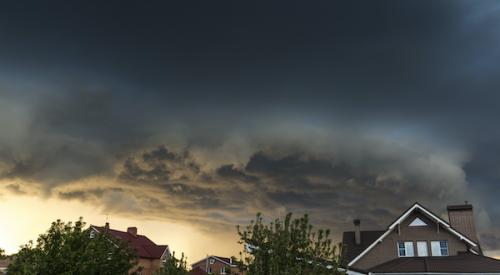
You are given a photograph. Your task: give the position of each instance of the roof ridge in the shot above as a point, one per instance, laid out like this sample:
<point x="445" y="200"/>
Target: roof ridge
<point x="111" y="229"/>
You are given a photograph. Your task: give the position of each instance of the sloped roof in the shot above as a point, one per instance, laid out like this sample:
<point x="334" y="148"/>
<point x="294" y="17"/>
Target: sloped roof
<point x="224" y="260"/>
<point x="463" y="263"/>
<point x="423" y="210"/>
<point x="144" y="247"/>
<point x="351" y="249"/>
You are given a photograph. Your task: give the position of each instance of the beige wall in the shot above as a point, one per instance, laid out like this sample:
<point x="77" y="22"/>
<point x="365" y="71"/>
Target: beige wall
<point x="149" y="266"/>
<point x="388" y="249"/>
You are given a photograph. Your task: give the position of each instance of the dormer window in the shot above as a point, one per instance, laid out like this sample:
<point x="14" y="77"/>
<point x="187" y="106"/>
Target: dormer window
<point x="92" y="234"/>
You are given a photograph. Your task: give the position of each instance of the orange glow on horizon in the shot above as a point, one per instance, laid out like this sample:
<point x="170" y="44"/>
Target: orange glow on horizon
<point x="25" y="217"/>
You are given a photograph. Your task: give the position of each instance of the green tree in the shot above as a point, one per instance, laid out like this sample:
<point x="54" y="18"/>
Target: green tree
<point x="174" y="266"/>
<point x="288" y="247"/>
<point x="2" y="254"/>
<point x="69" y="249"/>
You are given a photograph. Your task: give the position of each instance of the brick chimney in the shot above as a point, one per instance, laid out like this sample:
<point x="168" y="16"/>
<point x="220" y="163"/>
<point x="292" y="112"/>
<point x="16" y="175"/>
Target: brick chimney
<point x="357" y="231"/>
<point x="462" y="219"/>
<point x="132" y="231"/>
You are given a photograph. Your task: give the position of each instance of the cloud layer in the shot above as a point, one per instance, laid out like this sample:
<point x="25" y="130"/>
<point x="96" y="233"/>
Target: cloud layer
<point x="206" y="114"/>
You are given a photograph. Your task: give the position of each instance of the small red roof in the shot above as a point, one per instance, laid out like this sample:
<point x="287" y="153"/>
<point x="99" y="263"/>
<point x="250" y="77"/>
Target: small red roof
<point x="144" y="247"/>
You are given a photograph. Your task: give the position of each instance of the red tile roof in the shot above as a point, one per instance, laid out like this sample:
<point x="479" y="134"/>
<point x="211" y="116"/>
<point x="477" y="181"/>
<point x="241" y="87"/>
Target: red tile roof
<point x="144" y="247"/>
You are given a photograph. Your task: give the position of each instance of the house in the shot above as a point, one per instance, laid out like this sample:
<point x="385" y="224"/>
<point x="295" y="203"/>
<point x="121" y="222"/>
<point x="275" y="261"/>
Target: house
<point x="217" y="265"/>
<point x="151" y="256"/>
<point x="4" y="264"/>
<point x="419" y="242"/>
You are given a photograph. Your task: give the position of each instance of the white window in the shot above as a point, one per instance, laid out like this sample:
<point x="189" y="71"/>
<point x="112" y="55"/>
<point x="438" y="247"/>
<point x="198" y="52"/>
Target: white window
<point x="222" y="270"/>
<point x="209" y="269"/>
<point x="212" y="261"/>
<point x="417" y="222"/>
<point x="405" y="249"/>
<point x="439" y="248"/>
<point x="92" y="234"/>
<point x="422" y="249"/>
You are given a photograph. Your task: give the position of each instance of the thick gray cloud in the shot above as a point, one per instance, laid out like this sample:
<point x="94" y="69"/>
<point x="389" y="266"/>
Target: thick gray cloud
<point x="323" y="107"/>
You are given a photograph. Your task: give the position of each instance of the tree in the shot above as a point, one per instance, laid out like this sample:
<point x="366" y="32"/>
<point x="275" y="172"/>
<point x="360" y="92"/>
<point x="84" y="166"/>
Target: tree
<point x="2" y="254"/>
<point x="174" y="266"/>
<point x="288" y="247"/>
<point x="69" y="249"/>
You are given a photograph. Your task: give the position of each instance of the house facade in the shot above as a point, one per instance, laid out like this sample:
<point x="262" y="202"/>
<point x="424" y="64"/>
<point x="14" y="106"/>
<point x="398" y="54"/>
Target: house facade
<point x="151" y="256"/>
<point x="217" y="265"/>
<point x="419" y="242"/>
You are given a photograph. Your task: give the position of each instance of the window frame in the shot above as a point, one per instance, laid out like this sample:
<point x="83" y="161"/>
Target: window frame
<point x="447" y="247"/>
<point x="442" y="248"/>
<point x="406" y="249"/>
<point x="426" y="248"/>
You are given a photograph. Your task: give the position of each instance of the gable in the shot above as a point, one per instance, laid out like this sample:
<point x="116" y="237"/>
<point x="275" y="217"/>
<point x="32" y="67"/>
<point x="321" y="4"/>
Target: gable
<point x="215" y="259"/>
<point x="426" y="214"/>
<point x="386" y="250"/>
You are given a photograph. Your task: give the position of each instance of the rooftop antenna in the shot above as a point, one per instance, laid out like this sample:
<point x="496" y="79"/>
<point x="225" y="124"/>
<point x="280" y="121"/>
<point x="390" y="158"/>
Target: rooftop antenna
<point x="107" y="222"/>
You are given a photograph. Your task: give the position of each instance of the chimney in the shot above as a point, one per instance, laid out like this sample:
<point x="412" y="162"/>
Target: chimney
<point x="357" y="232"/>
<point x="106" y="225"/>
<point x="132" y="231"/>
<point x="462" y="219"/>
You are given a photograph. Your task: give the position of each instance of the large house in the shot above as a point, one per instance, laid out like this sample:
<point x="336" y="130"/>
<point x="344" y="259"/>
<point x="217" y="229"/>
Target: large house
<point x="216" y="265"/>
<point x="151" y="256"/>
<point x="419" y="242"/>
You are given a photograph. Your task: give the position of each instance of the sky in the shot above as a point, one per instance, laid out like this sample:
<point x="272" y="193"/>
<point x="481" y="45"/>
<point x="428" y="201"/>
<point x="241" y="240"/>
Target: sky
<point x="186" y="118"/>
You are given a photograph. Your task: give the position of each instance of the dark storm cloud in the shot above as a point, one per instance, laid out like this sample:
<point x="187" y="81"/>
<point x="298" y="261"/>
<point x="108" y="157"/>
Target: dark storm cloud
<point x="159" y="166"/>
<point x="323" y="107"/>
<point x="228" y="171"/>
<point x="334" y="189"/>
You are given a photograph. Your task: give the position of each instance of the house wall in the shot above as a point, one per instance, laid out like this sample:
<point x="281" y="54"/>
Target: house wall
<point x="149" y="266"/>
<point x="388" y="249"/>
<point x="216" y="266"/>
